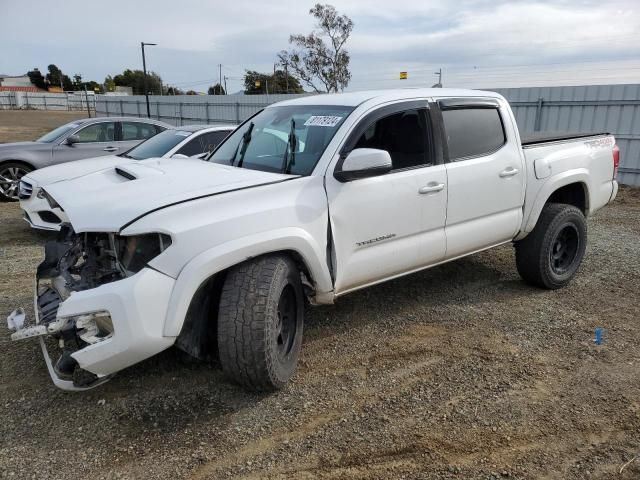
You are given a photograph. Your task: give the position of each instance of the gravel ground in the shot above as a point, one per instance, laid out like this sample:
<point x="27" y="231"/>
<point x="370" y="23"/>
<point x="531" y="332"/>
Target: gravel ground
<point x="461" y="371"/>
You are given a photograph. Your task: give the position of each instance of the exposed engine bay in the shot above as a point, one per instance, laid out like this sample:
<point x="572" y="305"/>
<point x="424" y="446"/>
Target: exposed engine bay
<point x="77" y="262"/>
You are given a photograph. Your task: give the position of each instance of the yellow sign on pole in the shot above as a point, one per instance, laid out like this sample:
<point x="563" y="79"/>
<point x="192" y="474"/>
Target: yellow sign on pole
<point x="404" y="75"/>
<point x="257" y="83"/>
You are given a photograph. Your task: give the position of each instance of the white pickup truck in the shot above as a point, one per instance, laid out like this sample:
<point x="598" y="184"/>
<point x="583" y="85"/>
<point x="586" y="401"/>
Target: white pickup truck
<point x="310" y="199"/>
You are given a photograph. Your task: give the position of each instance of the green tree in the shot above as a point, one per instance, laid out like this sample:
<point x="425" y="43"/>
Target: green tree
<point x="77" y="82"/>
<point x="322" y="65"/>
<point x="278" y="82"/>
<point x="216" y="89"/>
<point x="191" y="92"/>
<point x="135" y="80"/>
<point x="109" y="84"/>
<point x="56" y="78"/>
<point x="37" y="79"/>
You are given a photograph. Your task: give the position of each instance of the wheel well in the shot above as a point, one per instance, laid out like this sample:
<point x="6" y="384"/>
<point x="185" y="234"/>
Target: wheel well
<point x="199" y="334"/>
<point x="572" y="194"/>
<point x="21" y="162"/>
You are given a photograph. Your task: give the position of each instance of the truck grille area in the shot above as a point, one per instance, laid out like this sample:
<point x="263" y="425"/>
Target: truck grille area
<point x="48" y="302"/>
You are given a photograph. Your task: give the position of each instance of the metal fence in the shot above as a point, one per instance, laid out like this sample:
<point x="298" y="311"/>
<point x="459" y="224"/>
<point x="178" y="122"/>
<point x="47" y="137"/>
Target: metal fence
<point x="46" y="101"/>
<point x="189" y="109"/>
<point x="585" y="109"/>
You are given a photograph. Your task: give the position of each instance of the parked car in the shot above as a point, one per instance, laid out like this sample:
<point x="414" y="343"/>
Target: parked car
<point x="85" y="138"/>
<point x="188" y="141"/>
<point x="218" y="257"/>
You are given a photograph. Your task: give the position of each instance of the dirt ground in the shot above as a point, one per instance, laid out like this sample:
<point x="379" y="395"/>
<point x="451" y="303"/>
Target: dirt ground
<point x="461" y="371"/>
<point x="24" y="125"/>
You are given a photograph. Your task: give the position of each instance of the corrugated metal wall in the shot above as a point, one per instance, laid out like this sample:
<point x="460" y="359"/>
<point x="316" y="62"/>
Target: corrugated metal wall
<point x="189" y="109"/>
<point x="583" y="109"/>
<point x="589" y="109"/>
<point x="46" y="101"/>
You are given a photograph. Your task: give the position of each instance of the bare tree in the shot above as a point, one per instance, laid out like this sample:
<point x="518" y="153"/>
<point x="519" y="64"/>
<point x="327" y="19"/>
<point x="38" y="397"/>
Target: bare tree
<point x="323" y="66"/>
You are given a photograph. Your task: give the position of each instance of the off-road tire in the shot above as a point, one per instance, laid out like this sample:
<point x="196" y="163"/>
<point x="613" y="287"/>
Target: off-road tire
<point x="250" y="348"/>
<point x="538" y="254"/>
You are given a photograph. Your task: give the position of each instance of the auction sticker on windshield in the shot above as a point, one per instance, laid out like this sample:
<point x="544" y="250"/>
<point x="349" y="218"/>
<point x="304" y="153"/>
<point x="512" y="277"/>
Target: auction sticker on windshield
<point x="322" y="121"/>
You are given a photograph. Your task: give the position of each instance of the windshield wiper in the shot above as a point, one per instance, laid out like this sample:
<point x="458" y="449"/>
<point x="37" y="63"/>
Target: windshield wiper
<point x="289" y="158"/>
<point x="246" y="138"/>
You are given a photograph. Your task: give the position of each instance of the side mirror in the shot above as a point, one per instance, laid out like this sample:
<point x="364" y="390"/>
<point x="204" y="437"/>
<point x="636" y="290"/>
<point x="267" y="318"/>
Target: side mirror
<point x="178" y="155"/>
<point x="71" y="139"/>
<point x="363" y="163"/>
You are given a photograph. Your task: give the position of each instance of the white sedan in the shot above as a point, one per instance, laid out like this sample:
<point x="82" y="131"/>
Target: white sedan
<point x="41" y="212"/>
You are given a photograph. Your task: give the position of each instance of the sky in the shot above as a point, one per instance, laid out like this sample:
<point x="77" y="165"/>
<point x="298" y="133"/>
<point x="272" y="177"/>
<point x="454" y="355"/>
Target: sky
<point x="476" y="43"/>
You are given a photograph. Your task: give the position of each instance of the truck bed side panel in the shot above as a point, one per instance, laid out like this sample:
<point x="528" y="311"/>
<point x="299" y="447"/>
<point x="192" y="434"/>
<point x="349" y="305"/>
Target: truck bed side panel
<point x="552" y="165"/>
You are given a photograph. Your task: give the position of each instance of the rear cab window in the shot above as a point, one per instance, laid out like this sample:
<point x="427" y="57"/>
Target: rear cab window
<point x="472" y="130"/>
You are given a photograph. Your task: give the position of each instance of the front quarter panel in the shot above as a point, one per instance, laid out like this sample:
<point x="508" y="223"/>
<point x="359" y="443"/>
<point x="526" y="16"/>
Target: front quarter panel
<point x="216" y="232"/>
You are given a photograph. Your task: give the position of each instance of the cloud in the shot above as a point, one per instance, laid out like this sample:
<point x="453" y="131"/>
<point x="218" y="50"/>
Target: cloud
<point x="464" y="38"/>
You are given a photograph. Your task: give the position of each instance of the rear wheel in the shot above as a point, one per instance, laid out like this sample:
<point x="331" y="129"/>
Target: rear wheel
<point x="550" y="255"/>
<point x="10" y="175"/>
<point x="260" y="322"/>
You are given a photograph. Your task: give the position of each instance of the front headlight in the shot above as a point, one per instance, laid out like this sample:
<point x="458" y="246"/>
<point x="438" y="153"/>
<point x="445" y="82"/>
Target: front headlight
<point x="52" y="203"/>
<point x="135" y="251"/>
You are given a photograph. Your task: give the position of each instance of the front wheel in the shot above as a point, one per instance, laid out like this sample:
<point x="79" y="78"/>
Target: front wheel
<point x="260" y="319"/>
<point x="10" y="175"/>
<point x="550" y="255"/>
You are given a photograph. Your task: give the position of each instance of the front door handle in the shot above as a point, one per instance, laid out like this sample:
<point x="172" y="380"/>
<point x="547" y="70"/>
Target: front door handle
<point x="431" y="188"/>
<point x="110" y="149"/>
<point x="509" y="172"/>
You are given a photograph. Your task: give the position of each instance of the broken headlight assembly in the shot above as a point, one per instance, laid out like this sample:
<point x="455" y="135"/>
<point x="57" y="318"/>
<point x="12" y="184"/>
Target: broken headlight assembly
<point x="134" y="252"/>
<point x="93" y="327"/>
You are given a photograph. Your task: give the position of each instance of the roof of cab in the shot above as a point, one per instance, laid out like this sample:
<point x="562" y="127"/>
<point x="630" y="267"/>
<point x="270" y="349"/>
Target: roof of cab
<point x="353" y="99"/>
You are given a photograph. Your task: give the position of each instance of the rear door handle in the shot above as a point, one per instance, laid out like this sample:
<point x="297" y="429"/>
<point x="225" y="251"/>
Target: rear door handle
<point x="431" y="188"/>
<point x="110" y="149"/>
<point x="509" y="172"/>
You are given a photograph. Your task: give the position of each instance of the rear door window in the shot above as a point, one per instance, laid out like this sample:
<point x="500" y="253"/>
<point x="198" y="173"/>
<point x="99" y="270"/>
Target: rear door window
<point x="137" y="131"/>
<point x="473" y="132"/>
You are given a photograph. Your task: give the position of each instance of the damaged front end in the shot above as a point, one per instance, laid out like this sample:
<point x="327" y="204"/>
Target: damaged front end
<point x="75" y="263"/>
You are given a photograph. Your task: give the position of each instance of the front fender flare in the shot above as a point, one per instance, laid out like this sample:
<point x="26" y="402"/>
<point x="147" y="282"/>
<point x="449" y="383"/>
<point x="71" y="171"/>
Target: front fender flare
<point x="223" y="256"/>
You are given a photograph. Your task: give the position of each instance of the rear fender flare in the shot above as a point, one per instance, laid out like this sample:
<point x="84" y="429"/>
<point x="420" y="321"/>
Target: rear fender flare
<point x="579" y="175"/>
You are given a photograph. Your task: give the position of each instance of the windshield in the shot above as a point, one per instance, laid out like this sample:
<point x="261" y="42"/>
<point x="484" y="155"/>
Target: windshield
<point x="158" y="145"/>
<point x="58" y="132"/>
<point x="264" y="142"/>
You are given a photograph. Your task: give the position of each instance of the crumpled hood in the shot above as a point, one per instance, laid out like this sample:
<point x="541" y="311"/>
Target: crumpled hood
<point x="106" y="200"/>
<point x="68" y="170"/>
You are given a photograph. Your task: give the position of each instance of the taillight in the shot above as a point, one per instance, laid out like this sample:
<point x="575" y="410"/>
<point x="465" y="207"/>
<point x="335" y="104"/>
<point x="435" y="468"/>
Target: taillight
<point x="616" y="160"/>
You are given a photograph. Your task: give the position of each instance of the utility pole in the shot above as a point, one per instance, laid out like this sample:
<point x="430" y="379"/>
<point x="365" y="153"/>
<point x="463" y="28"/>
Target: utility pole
<point x="439" y="84"/>
<point x="225" y="85"/>
<point x="86" y="96"/>
<point x="220" y="71"/>
<point x="144" y="68"/>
